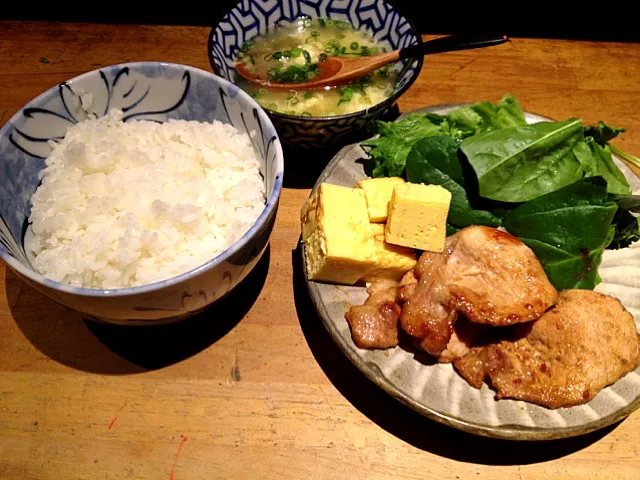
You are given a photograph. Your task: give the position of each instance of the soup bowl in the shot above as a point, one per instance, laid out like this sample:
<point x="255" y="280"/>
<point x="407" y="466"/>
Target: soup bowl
<point x="251" y="18"/>
<point x="150" y="91"/>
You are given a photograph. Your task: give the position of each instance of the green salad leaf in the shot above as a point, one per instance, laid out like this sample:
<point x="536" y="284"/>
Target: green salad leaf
<point x="390" y="149"/>
<point x="568" y="230"/>
<point x="627" y="230"/>
<point x="627" y="225"/>
<point x="596" y="160"/>
<point x="552" y="184"/>
<point x="628" y="202"/>
<point x="603" y="133"/>
<point x="517" y="164"/>
<point x="485" y="116"/>
<point x="434" y="161"/>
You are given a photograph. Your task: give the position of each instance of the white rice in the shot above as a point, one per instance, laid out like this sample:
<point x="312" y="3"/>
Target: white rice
<point x="126" y="204"/>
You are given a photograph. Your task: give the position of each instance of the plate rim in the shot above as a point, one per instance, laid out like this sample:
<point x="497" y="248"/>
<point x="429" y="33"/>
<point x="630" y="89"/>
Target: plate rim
<point x="374" y="373"/>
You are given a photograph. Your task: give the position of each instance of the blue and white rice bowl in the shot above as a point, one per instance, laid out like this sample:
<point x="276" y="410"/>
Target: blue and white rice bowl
<point x="142" y="91"/>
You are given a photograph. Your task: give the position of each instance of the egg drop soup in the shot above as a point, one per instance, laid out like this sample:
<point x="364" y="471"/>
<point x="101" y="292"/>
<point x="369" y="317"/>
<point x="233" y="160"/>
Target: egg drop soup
<point x="291" y="53"/>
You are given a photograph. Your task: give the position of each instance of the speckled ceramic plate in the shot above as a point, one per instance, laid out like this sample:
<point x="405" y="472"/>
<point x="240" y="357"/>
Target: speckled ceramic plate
<point x="437" y="391"/>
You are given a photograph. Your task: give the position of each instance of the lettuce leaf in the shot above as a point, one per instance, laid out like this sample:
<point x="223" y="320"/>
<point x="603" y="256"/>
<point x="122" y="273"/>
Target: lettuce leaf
<point x="388" y="152"/>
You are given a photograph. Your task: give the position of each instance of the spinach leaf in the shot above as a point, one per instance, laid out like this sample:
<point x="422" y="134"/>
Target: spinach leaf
<point x="596" y="160"/>
<point x="627" y="230"/>
<point x="435" y="161"/>
<point x="568" y="230"/>
<point x="627" y="225"/>
<point x="565" y="270"/>
<point x="603" y="133"/>
<point x="518" y="164"/>
<point x="628" y="202"/>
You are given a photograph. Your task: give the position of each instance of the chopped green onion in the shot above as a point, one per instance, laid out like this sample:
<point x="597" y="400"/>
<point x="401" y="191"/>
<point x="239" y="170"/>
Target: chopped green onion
<point x="315" y="33"/>
<point x="272" y="106"/>
<point x="306" y="114"/>
<point x="321" y="22"/>
<point x="293" y="73"/>
<point x="268" y="57"/>
<point x="307" y="57"/>
<point x="295" y="52"/>
<point x="255" y="95"/>
<point x="246" y="46"/>
<point x="252" y="59"/>
<point x="354" y="45"/>
<point x="343" y="50"/>
<point x="263" y="91"/>
<point x="277" y="55"/>
<point x="294" y="101"/>
<point x="290" y="112"/>
<point x="346" y="95"/>
<point x="308" y="95"/>
<point x="330" y="23"/>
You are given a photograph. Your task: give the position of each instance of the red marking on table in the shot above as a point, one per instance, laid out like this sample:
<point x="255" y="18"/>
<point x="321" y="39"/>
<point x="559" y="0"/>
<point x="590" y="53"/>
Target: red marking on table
<point x="175" y="460"/>
<point x="113" y="420"/>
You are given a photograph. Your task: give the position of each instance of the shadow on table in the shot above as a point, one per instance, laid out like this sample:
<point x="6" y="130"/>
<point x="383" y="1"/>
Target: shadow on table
<point x="403" y="422"/>
<point x="104" y="348"/>
<point x="303" y="167"/>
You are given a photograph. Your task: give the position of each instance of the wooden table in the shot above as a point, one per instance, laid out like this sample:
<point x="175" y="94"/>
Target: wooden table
<point x="255" y="388"/>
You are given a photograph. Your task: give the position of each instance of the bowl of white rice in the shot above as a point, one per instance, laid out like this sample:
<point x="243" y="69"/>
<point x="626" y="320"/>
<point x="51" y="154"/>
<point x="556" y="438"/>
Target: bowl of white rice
<point x="138" y="193"/>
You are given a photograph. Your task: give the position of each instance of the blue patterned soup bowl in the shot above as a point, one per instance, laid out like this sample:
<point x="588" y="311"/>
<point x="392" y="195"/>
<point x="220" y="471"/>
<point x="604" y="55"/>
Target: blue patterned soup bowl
<point x="251" y="18"/>
<point x="141" y="91"/>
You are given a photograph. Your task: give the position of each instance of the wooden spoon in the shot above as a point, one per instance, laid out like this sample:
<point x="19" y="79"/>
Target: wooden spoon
<point x="339" y="70"/>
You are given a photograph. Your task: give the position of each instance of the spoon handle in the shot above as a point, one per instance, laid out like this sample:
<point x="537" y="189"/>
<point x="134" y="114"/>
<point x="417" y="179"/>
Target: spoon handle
<point x="452" y="43"/>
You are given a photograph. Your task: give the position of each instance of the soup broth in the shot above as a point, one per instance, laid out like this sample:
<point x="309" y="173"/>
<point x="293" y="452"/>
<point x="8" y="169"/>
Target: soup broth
<point x="290" y="53"/>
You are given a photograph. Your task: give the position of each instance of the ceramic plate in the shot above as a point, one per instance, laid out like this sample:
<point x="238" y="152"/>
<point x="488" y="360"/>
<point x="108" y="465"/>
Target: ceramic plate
<point x="437" y="391"/>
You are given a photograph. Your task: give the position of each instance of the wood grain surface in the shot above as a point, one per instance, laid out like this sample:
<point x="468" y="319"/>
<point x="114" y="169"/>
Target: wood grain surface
<point x="254" y="387"/>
